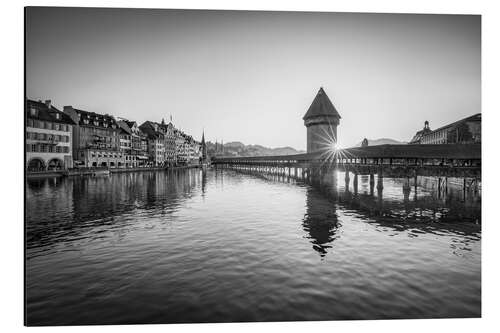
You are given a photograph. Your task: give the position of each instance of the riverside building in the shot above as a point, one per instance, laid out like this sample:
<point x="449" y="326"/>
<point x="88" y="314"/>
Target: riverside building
<point x="96" y="139"/>
<point x="48" y="137"/>
<point x="467" y="130"/>
<point x="155" y="143"/>
<point x="138" y="153"/>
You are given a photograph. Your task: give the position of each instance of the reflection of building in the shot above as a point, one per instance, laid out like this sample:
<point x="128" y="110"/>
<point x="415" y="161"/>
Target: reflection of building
<point x="96" y="139"/>
<point x="48" y="137"/>
<point x="321" y="120"/>
<point x="467" y="130"/>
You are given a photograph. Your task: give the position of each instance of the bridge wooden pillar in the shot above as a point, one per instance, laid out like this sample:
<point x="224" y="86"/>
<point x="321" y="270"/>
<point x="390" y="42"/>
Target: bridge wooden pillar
<point x="406" y="189"/>
<point x="380" y="180"/>
<point x="347" y="179"/>
<point x="372" y="183"/>
<point x="355" y="183"/>
<point x="415" y="183"/>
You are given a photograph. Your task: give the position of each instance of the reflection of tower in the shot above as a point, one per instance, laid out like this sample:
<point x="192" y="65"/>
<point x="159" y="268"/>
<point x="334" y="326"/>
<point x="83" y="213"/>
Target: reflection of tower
<point x="320" y="221"/>
<point x="321" y="120"/>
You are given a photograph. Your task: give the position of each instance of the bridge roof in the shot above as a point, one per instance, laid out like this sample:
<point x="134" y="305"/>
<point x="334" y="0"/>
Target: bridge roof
<point x="321" y="106"/>
<point x="450" y="151"/>
<point x="447" y="151"/>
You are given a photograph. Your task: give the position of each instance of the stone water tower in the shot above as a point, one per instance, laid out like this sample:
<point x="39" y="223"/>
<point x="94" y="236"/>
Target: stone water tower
<point x="321" y="121"/>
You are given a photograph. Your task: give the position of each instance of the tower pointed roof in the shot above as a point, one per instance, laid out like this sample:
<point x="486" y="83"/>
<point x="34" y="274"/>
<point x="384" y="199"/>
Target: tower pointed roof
<point x="321" y="106"/>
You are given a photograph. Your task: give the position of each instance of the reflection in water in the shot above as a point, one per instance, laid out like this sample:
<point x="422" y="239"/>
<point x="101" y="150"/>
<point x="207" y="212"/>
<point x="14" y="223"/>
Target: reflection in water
<point x="320" y="222"/>
<point x="218" y="245"/>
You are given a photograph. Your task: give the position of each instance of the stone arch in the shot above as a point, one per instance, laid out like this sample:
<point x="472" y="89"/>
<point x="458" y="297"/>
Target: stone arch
<point x="36" y="164"/>
<point x="55" y="164"/>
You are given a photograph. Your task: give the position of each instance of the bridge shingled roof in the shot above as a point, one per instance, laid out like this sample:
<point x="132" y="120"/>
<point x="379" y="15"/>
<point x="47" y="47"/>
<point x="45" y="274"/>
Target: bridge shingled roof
<point x="450" y="151"/>
<point x="321" y="106"/>
<point x="437" y="151"/>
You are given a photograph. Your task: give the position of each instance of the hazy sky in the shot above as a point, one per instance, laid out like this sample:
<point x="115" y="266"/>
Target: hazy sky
<point x="250" y="76"/>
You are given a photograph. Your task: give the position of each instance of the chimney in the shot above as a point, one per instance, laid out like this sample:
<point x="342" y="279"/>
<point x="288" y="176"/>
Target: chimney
<point x="48" y="103"/>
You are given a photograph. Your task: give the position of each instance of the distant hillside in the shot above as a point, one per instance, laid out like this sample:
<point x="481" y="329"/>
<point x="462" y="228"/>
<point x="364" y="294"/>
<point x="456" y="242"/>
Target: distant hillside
<point x="239" y="149"/>
<point x="382" y="141"/>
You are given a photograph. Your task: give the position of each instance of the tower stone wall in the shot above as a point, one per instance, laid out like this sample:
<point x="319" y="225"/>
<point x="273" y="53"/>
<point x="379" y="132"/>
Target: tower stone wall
<point x="321" y="121"/>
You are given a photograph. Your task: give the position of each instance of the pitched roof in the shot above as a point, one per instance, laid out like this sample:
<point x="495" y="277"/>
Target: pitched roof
<point x="130" y="123"/>
<point x="44" y="113"/>
<point x="321" y="106"/>
<point x="125" y="127"/>
<point x="88" y="118"/>
<point x="475" y="117"/>
<point x="148" y="128"/>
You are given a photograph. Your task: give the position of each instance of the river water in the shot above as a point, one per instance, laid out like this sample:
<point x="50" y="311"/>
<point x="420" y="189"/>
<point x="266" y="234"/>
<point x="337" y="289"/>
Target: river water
<point x="219" y="246"/>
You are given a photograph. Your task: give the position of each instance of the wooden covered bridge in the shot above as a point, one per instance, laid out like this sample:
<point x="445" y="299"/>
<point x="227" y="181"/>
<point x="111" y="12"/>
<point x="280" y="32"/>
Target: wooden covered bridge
<point x="393" y="161"/>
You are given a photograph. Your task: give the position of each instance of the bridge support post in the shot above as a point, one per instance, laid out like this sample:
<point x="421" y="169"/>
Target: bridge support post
<point x="380" y="181"/>
<point x="355" y="183"/>
<point x="347" y="179"/>
<point x="372" y="183"/>
<point x="415" y="183"/>
<point x="406" y="189"/>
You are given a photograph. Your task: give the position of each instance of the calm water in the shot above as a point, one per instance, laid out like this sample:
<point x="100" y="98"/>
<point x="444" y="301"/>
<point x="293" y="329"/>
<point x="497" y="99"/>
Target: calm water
<point x="215" y="246"/>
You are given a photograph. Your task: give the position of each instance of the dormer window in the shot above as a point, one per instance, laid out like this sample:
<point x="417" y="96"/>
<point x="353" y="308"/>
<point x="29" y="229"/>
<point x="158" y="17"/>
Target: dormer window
<point x="58" y="116"/>
<point x="33" y="112"/>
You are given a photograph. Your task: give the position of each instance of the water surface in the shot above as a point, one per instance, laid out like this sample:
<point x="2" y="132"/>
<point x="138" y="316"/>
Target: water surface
<point x="218" y="246"/>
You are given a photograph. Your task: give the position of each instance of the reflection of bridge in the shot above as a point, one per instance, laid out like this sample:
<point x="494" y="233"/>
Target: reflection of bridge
<point x="401" y="161"/>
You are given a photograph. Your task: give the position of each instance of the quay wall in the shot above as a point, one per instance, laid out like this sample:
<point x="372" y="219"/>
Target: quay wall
<point x="93" y="171"/>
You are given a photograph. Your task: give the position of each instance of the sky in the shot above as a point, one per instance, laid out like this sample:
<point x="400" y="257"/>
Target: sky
<point x="251" y="76"/>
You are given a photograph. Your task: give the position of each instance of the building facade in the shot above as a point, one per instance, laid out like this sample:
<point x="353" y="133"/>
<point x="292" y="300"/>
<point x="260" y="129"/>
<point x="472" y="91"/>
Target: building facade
<point x="418" y="136"/>
<point x="155" y="143"/>
<point x="96" y="139"/>
<point x="138" y="143"/>
<point x="467" y="130"/>
<point x="48" y="137"/>
<point x="168" y="131"/>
